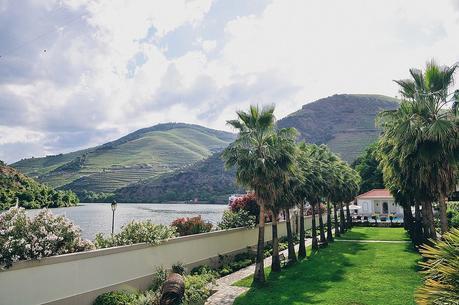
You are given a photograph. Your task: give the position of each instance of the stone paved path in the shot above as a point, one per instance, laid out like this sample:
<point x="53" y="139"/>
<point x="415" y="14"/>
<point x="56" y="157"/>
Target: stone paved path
<point x="226" y="294"/>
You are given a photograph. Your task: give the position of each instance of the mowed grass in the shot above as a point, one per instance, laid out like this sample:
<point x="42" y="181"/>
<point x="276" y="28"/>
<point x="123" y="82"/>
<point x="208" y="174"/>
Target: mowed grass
<point x="344" y="273"/>
<point x="370" y="233"/>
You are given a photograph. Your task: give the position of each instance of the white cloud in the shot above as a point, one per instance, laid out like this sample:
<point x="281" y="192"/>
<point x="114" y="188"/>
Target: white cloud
<point x="108" y="72"/>
<point x="209" y="45"/>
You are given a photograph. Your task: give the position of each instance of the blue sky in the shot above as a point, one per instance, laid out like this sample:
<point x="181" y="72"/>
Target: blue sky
<point x="77" y="73"/>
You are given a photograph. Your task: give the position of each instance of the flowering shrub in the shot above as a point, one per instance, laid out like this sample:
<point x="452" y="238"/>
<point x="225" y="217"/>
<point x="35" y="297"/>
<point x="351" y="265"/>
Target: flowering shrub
<point x="246" y="203"/>
<point x="136" y="232"/>
<point x="44" y="235"/>
<point x="191" y="225"/>
<point x="238" y="219"/>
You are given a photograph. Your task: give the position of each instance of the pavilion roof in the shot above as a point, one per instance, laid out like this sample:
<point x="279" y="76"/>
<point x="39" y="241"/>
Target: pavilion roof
<point x="375" y="194"/>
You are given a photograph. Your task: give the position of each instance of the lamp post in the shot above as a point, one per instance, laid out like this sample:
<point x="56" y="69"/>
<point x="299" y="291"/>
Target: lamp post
<point x="113" y="206"/>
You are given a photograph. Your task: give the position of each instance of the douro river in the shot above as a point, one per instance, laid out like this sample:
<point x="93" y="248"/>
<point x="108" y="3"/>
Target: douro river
<point x="93" y="218"/>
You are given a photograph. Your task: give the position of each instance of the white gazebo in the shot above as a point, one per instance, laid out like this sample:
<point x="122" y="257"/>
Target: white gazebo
<point x="377" y="201"/>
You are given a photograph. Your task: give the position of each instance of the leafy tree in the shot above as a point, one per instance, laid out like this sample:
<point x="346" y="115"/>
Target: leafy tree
<point x="30" y="194"/>
<point x="368" y="168"/>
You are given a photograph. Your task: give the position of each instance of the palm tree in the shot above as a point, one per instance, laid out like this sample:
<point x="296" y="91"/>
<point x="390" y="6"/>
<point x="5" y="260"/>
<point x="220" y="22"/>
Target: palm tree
<point x="256" y="156"/>
<point x="294" y="196"/>
<point x="426" y="135"/>
<point x="301" y="189"/>
<point x="283" y="152"/>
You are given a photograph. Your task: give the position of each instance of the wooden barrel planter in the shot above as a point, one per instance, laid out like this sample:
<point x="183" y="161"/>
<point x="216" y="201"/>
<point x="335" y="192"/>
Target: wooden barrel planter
<point x="173" y="290"/>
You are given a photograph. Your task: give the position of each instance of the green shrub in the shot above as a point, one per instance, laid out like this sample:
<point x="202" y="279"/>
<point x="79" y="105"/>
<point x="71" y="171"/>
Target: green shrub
<point x="159" y="277"/>
<point x="116" y="298"/>
<point x="453" y="214"/>
<point x="136" y="232"/>
<point x="238" y="219"/>
<point x="197" y="289"/>
<point x="441" y="271"/>
<point x="201" y="269"/>
<point x="191" y="225"/>
<point x="178" y="268"/>
<point x="149" y="297"/>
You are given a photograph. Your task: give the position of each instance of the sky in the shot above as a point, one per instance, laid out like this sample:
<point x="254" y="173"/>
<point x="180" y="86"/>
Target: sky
<point x="78" y="73"/>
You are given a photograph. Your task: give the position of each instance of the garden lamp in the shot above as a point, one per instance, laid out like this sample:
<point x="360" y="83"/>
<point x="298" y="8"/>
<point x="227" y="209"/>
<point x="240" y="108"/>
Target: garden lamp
<point x="113" y="206"/>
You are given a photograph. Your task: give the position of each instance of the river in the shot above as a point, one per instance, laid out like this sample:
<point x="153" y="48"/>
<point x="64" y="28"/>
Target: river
<point x="93" y="218"/>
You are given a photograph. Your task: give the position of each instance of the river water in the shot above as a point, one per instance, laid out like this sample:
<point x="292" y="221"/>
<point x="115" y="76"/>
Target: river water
<point x="93" y="218"/>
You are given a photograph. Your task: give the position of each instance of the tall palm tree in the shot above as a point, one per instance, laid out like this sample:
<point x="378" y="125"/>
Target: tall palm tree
<point x="426" y="131"/>
<point x="302" y="188"/>
<point x="257" y="158"/>
<point x="283" y="152"/>
<point x="252" y="155"/>
<point x="294" y="196"/>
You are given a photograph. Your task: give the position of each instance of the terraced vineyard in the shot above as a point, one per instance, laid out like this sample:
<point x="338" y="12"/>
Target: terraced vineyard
<point x="142" y="154"/>
<point x="345" y="122"/>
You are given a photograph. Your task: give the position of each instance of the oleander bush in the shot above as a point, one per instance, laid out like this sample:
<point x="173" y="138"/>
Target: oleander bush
<point x="191" y="225"/>
<point x="240" y="218"/>
<point x="23" y="237"/>
<point x="247" y="203"/>
<point x="136" y="232"/>
<point x="441" y="271"/>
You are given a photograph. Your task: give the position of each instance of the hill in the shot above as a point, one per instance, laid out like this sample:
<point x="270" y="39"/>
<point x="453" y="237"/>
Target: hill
<point x="142" y="154"/>
<point x="205" y="180"/>
<point x="344" y="122"/>
<point x="29" y="192"/>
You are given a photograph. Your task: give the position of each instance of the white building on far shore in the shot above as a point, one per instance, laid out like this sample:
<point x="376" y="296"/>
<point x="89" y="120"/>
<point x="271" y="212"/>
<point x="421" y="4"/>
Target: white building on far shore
<point x="378" y="201"/>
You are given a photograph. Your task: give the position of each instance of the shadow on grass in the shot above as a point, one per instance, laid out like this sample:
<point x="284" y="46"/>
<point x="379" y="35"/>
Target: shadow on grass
<point x="410" y="248"/>
<point x="302" y="282"/>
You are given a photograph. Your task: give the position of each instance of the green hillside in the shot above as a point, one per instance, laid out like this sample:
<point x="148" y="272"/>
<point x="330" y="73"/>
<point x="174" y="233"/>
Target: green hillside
<point x="142" y="154"/>
<point x="30" y="193"/>
<point x="205" y="180"/>
<point x="344" y="122"/>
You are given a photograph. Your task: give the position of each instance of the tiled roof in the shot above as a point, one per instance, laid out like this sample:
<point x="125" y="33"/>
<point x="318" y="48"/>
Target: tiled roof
<point x="375" y="193"/>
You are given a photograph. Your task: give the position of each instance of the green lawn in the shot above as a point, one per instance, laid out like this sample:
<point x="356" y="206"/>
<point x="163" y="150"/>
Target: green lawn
<point x="344" y="273"/>
<point x="370" y="233"/>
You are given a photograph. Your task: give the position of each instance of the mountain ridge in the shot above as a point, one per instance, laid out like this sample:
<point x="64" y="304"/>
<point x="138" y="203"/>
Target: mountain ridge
<point x="141" y="154"/>
<point x="349" y="129"/>
<point x="345" y="122"/>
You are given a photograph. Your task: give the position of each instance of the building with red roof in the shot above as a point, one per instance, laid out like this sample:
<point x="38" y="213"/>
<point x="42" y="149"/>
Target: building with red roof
<point x="379" y="202"/>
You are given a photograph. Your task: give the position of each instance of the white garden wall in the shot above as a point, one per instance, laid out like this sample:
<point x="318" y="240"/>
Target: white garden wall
<point x="79" y="277"/>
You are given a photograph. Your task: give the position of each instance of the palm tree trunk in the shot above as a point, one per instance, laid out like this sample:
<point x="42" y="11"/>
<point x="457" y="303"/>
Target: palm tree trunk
<point x="335" y="219"/>
<point x="443" y="219"/>
<point x="429" y="212"/>
<point x="259" y="274"/>
<point x="323" y="240"/>
<point x="275" y="262"/>
<point x="408" y="221"/>
<point x="315" y="244"/>
<point x="291" y="246"/>
<point x="302" y="249"/>
<point x="341" y="218"/>
<point x="329" y="224"/>
<point x="428" y="221"/>
<point x="348" y="216"/>
<point x="418" y="235"/>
